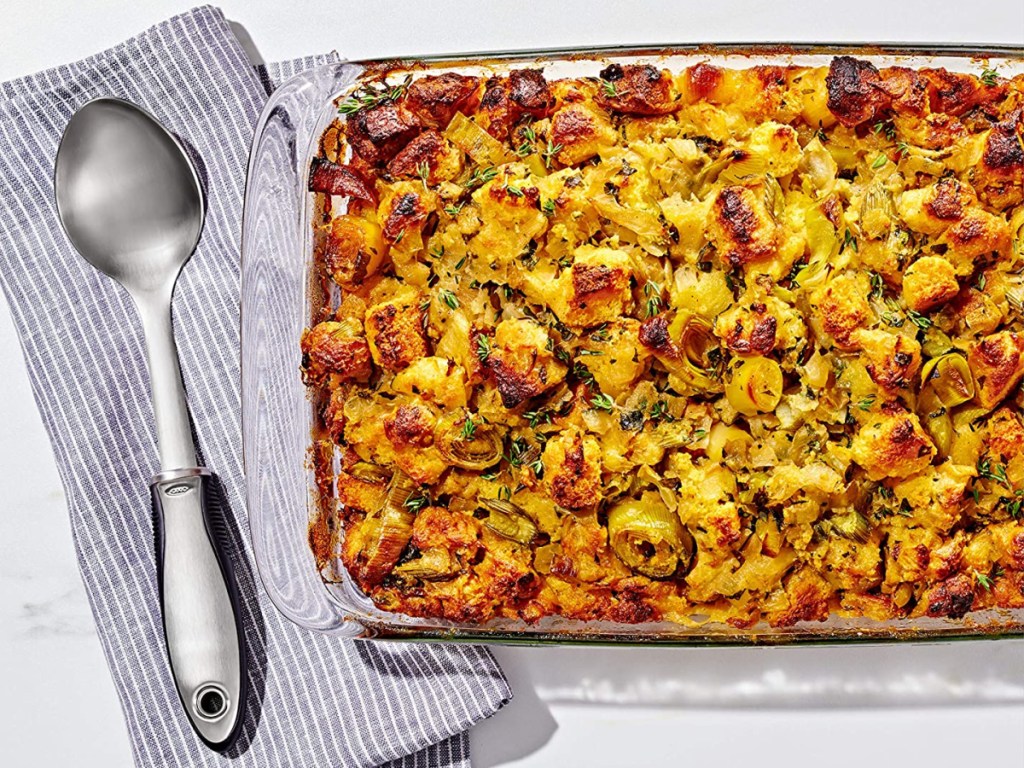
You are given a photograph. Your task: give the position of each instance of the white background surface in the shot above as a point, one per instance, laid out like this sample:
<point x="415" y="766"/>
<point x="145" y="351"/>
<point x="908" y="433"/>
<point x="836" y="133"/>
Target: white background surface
<point x="932" y="706"/>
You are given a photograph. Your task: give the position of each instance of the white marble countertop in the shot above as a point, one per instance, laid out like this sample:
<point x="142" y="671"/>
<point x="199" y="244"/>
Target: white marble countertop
<point x="940" y="705"/>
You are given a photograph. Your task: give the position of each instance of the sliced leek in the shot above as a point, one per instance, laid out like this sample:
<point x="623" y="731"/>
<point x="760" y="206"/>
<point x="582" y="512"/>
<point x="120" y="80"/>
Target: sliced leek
<point x="477" y="448"/>
<point x="949" y="376"/>
<point x="509" y="520"/>
<point x="392" y="529"/>
<point x="755" y="387"/>
<point x="648" y="537"/>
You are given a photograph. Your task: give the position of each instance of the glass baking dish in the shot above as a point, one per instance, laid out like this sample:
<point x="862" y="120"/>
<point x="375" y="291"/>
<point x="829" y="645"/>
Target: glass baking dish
<point x="279" y="298"/>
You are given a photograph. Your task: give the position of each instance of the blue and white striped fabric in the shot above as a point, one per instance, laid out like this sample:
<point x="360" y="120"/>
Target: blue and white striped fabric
<point x="315" y="701"/>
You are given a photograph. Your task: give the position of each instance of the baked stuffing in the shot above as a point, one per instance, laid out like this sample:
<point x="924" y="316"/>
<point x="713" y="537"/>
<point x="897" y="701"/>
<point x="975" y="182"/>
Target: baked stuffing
<point x="738" y="344"/>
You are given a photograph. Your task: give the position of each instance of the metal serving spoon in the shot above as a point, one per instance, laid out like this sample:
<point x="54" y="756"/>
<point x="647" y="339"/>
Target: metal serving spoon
<point x="131" y="203"/>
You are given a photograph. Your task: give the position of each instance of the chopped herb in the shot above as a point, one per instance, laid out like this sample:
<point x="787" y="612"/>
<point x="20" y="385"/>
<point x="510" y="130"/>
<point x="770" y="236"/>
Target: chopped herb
<point x="533" y="418"/>
<point x="1013" y="504"/>
<point x="468" y="429"/>
<point x="505" y="493"/>
<point x="601" y="334"/>
<point x="460" y="263"/>
<point x="698" y="434"/>
<point x="437" y="253"/>
<point x="423" y="171"/>
<point x="877" y="286"/>
<point x="586" y="352"/>
<point x="417" y="502"/>
<point x="996" y="472"/>
<point x="659" y="412"/>
<point x="492" y="475"/>
<point x="483" y="347"/>
<point x="517" y="451"/>
<point x="513" y="190"/>
<point x="983" y="581"/>
<point x="903" y="148"/>
<point x="989" y="76"/>
<point x="481" y="176"/>
<point x="820" y="133"/>
<point x="581" y="372"/>
<point x="537" y="467"/>
<point x="549" y="153"/>
<point x="602" y="403"/>
<point x="548" y="207"/>
<point x="893" y="316"/>
<point x="879" y="161"/>
<point x="524" y="149"/>
<point x="399" y="236"/>
<point x="919" y="320"/>
<point x="453" y="210"/>
<point x="886" y="128"/>
<point x="449" y="298"/>
<point x="652" y="291"/>
<point x="981" y="282"/>
<point x="849" y="241"/>
<point x="866" y="403"/>
<point x="609" y="89"/>
<point x="373" y="96"/>
<point x="528" y="133"/>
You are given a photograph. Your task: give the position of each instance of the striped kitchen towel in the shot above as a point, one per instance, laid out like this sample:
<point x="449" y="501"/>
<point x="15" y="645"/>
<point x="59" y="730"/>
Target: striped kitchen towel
<point x="314" y="700"/>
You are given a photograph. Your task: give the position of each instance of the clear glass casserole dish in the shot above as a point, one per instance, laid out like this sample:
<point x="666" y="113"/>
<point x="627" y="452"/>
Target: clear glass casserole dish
<point x="278" y="300"/>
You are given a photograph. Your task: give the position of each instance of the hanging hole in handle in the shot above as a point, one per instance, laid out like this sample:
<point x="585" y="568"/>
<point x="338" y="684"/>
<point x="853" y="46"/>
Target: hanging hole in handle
<point x="211" y="702"/>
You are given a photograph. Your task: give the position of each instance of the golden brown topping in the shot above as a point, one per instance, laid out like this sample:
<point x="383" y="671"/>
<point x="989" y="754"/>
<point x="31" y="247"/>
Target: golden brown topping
<point x="520" y="363"/>
<point x="377" y="133"/>
<point x="1005" y="434"/>
<point x="529" y="89"/>
<point x="950" y="199"/>
<point x="353" y="250"/>
<point x="572" y="470"/>
<point x="436" y="98"/>
<point x="652" y="345"/>
<point x="394" y="330"/>
<point x="951" y="92"/>
<point x="855" y="93"/>
<point x="344" y="180"/>
<point x="953" y="598"/>
<point x="703" y="79"/>
<point x="842" y="307"/>
<point x="403" y="213"/>
<point x="749" y="331"/>
<point x="997" y="362"/>
<point x="1000" y="175"/>
<point x="929" y="282"/>
<point x="892" y="359"/>
<point x="580" y="132"/>
<point x="637" y="89"/>
<point x="907" y="89"/>
<point x="410" y="425"/>
<point x="892" y="445"/>
<point x="335" y="350"/>
<point x="741" y="226"/>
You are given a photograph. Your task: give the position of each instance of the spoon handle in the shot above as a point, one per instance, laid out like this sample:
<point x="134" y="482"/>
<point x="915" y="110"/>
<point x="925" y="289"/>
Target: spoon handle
<point x="173" y="430"/>
<point x="199" y="602"/>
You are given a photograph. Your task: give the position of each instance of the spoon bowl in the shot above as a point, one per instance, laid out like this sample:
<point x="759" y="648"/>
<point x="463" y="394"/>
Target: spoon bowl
<point x="128" y="197"/>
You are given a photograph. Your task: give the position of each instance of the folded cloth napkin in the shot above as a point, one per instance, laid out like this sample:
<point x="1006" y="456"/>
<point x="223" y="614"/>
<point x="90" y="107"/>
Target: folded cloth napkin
<point x="315" y="701"/>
